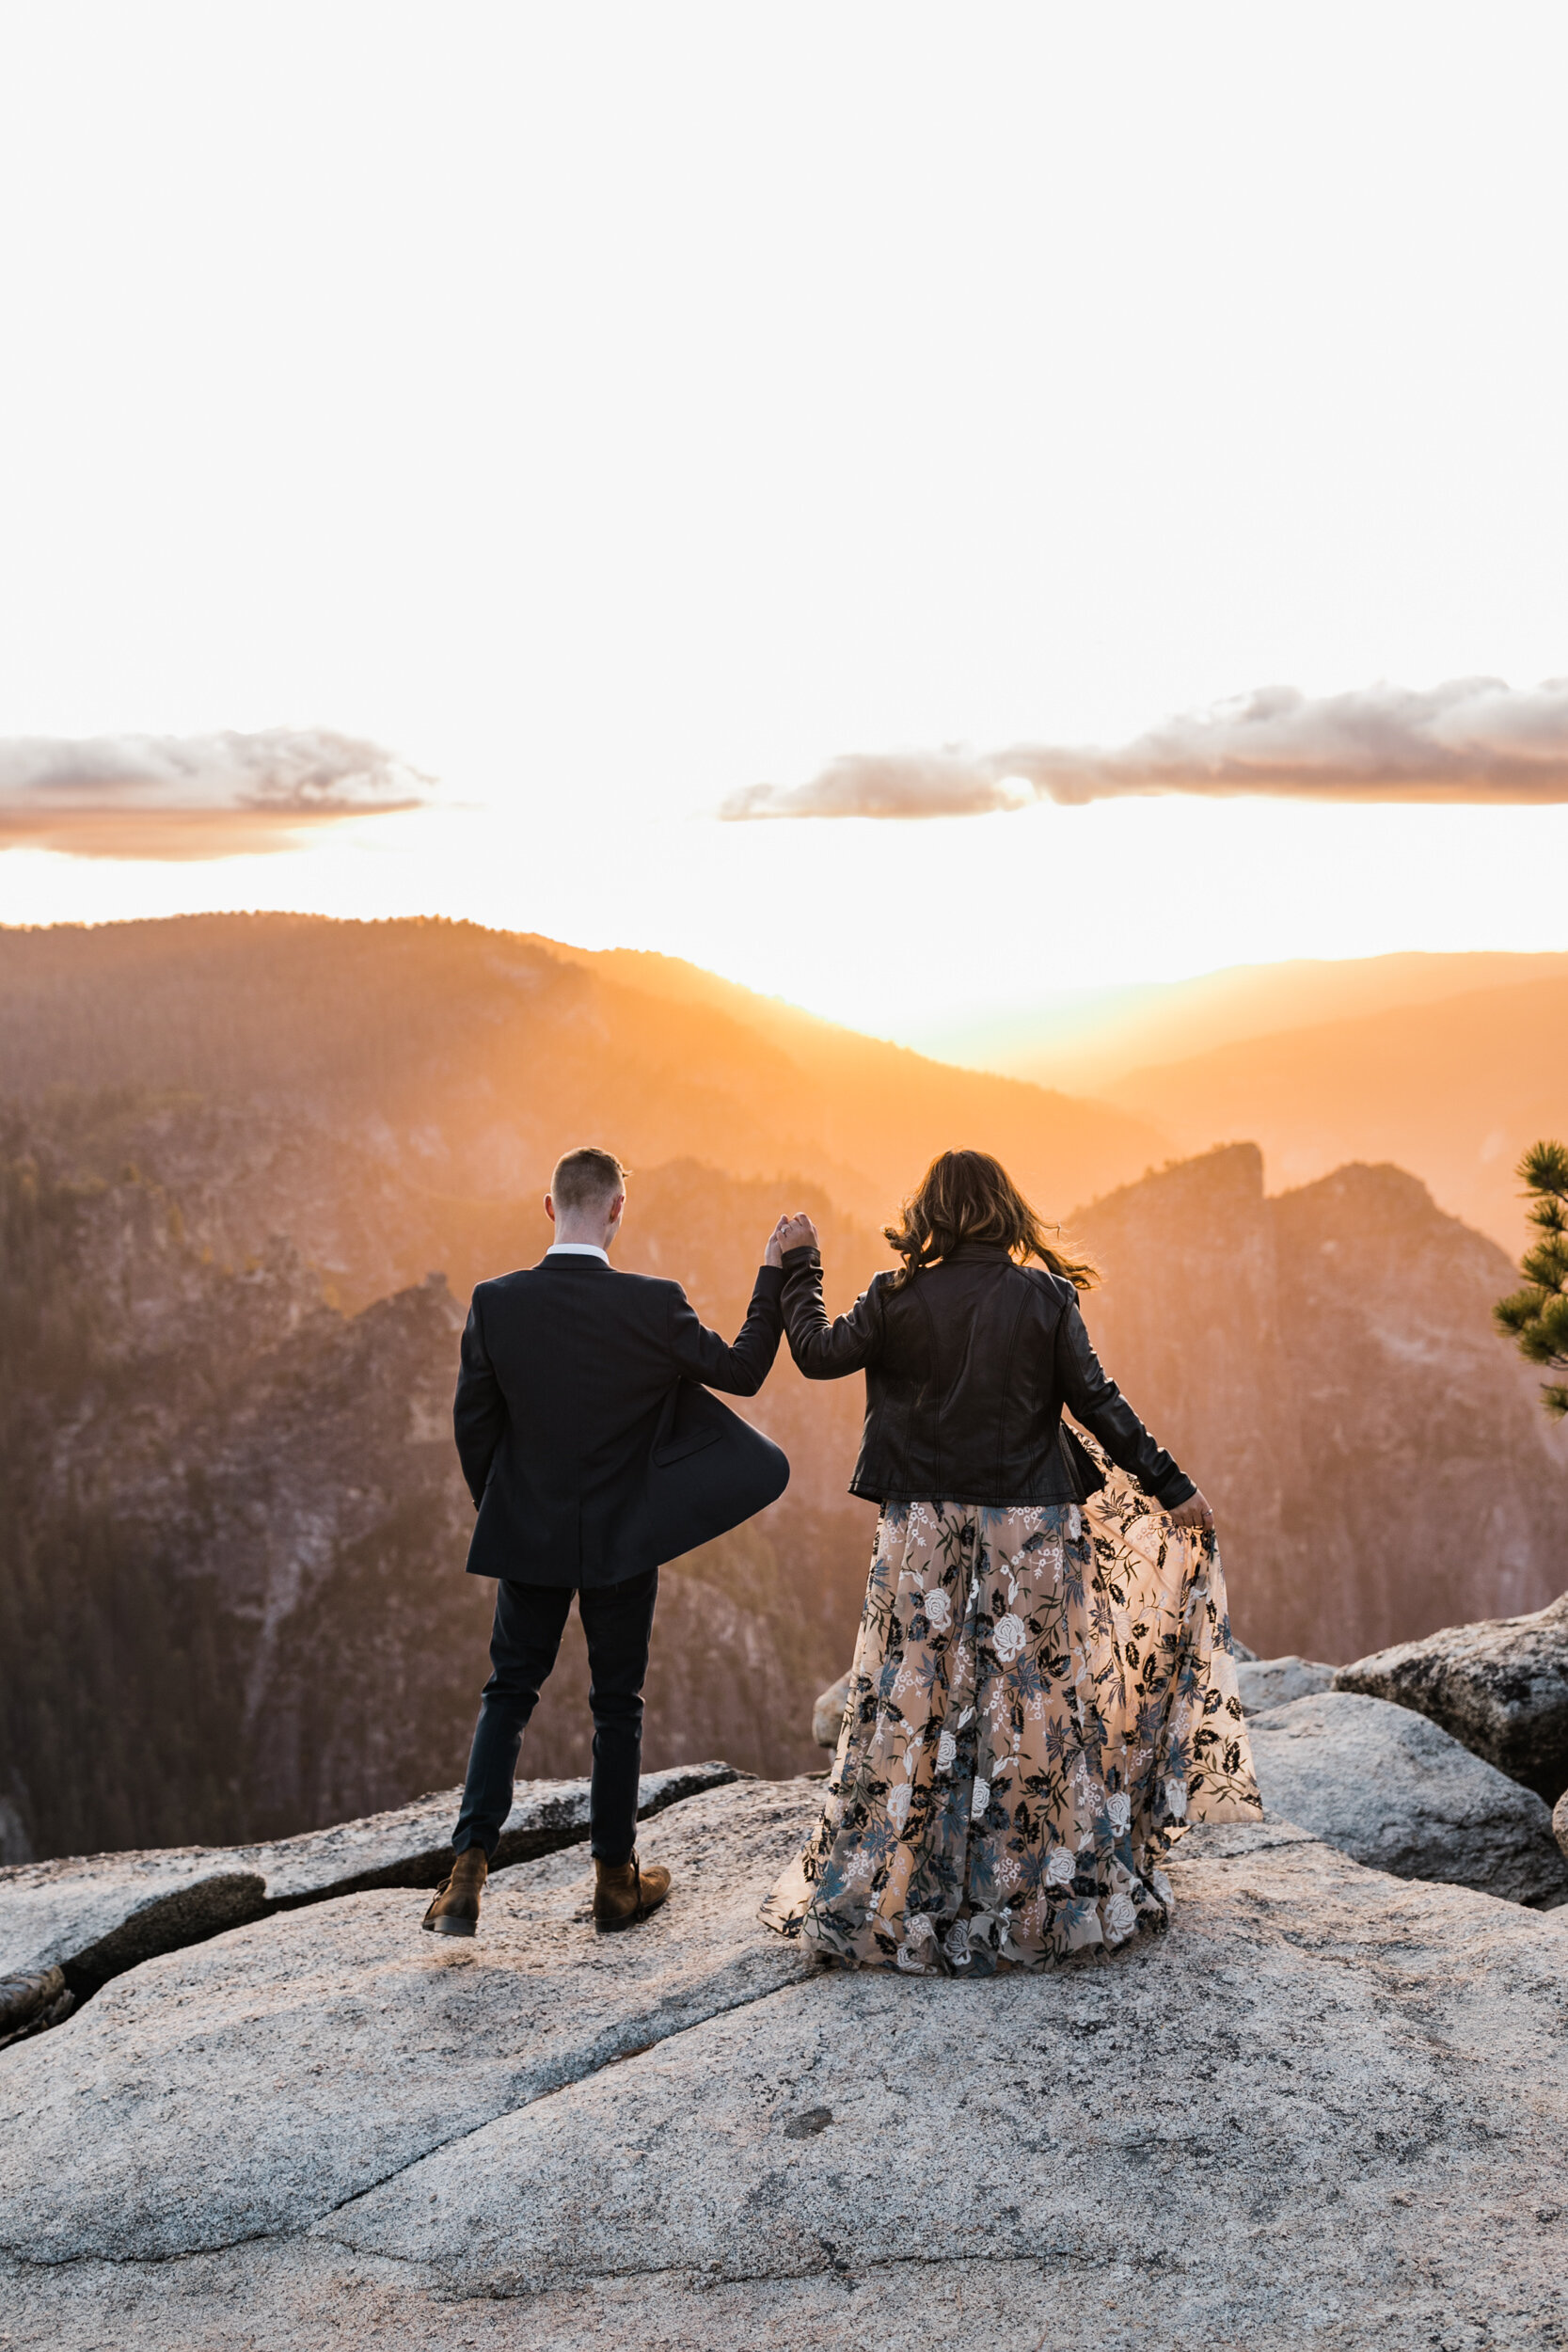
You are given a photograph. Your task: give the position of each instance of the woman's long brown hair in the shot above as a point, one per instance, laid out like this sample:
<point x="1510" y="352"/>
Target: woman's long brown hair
<point x="967" y="1196"/>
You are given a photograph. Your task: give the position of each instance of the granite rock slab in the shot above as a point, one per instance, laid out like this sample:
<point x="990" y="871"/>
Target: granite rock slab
<point x="1328" y="2108"/>
<point x="1327" y="2102"/>
<point x="1395" y="1791"/>
<point x="98" y="1914"/>
<point x="411" y="1847"/>
<point x="1265" y="1682"/>
<point x="1500" y="1686"/>
<point x="249" y="2085"/>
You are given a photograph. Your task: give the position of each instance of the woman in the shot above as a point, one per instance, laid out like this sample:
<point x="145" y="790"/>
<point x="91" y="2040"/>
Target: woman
<point x="1043" y="1690"/>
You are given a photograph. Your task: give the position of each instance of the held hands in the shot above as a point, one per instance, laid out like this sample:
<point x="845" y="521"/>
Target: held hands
<point x="790" y="1232"/>
<point x="1195" y="1512"/>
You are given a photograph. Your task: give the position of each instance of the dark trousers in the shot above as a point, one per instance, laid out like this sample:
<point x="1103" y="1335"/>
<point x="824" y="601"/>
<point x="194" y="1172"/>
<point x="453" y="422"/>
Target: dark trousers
<point x="525" y="1642"/>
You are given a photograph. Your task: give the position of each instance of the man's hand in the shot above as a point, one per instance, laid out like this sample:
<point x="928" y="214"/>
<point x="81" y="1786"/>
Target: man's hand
<point x="797" y="1232"/>
<point x="1195" y="1512"/>
<point x="773" y="1254"/>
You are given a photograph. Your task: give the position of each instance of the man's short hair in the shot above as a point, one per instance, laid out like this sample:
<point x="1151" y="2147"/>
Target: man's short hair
<point x="586" y="1178"/>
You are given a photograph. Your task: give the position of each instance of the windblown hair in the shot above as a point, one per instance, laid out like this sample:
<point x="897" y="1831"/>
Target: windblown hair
<point x="967" y="1196"/>
<point x="585" y="1178"/>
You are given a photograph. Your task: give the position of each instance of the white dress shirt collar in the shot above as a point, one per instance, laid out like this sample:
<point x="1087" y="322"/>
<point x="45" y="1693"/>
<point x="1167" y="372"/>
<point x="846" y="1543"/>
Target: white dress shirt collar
<point x="577" y="1250"/>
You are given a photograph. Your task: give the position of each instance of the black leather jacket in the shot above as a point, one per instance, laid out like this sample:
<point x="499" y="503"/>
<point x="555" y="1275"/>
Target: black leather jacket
<point x="967" y="1369"/>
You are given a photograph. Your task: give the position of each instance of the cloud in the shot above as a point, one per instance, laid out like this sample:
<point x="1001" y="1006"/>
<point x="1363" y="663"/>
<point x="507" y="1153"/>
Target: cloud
<point x="1471" y="739"/>
<point x="887" y="784"/>
<point x="192" y="796"/>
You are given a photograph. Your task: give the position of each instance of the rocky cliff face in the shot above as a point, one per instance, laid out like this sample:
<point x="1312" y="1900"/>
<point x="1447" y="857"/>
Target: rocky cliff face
<point x="1323" y="1363"/>
<point x="231" y="1597"/>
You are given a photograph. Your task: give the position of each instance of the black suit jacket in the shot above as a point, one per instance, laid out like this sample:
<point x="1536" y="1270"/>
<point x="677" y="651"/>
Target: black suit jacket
<point x="589" y="1456"/>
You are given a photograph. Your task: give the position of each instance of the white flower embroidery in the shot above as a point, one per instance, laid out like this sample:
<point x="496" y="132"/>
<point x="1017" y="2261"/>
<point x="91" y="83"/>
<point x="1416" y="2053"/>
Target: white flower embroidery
<point x="979" y="1795"/>
<point x="1176" y="1800"/>
<point x="947" y="1748"/>
<point x="955" y="1944"/>
<point x="1120" y="1808"/>
<point x="920" y="1926"/>
<point x="1120" y="1916"/>
<point x="939" y="1610"/>
<point x="898" y="1805"/>
<point x="1060" y="1866"/>
<point x="1008" y="1638"/>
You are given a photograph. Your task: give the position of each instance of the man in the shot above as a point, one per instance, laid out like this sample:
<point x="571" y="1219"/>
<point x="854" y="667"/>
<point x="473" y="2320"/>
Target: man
<point x="590" y="1461"/>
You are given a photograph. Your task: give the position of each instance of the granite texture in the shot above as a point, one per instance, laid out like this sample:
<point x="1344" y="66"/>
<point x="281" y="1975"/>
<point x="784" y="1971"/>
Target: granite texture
<point x="1501" y="1685"/>
<point x="1393" y="1790"/>
<point x="1265" y="1682"/>
<point x="1329" y="2107"/>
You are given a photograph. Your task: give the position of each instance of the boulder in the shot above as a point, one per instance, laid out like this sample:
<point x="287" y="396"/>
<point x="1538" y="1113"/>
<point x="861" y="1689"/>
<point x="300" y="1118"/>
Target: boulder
<point x="1501" y="1685"/>
<point x="1265" y="1682"/>
<point x="97" y="1916"/>
<point x="1395" y="1791"/>
<point x="827" y="1716"/>
<point x="1559" y="1822"/>
<point x="1329" y="2107"/>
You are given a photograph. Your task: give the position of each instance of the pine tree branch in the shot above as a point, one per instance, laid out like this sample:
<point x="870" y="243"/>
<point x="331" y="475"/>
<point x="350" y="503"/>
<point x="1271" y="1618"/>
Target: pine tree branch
<point x="1545" y="1170"/>
<point x="1536" y="1317"/>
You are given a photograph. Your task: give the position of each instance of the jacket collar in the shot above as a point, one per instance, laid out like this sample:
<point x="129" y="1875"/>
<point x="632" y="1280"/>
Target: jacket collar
<point x="979" y="1253"/>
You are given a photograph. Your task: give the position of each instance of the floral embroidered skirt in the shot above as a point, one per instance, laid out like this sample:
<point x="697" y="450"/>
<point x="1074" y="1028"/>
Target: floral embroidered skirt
<point x="1042" y="1699"/>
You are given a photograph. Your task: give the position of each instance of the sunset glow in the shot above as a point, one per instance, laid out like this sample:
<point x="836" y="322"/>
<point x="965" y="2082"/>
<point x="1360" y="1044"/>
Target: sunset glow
<point x="903" y="386"/>
<point x="1132" y="891"/>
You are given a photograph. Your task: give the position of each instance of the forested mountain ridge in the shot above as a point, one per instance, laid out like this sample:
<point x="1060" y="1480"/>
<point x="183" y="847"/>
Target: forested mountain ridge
<point x="405" y="1085"/>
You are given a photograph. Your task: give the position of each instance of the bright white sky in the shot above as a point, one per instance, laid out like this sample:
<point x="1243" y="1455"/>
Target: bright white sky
<point x="608" y="409"/>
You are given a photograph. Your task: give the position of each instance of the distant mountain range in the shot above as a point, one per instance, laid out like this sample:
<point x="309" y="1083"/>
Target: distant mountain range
<point x="232" y="1531"/>
<point x="407" y="1085"/>
<point x="1449" y="1065"/>
<point x="1455" y="1091"/>
<point x="1087" y="1039"/>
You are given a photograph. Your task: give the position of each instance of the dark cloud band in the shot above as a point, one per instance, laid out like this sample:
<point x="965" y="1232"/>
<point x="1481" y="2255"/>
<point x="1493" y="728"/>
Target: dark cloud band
<point x="193" y="796"/>
<point x="1472" y="740"/>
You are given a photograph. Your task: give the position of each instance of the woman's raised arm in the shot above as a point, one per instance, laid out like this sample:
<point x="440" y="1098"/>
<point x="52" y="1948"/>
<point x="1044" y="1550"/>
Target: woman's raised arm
<point x="824" y="1350"/>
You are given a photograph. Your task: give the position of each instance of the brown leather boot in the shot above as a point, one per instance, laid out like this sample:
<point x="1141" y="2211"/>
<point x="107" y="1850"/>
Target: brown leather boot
<point x="456" y="1909"/>
<point x="624" y="1893"/>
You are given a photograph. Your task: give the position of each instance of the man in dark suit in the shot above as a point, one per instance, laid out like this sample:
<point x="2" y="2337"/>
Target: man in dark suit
<point x="592" y="1458"/>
